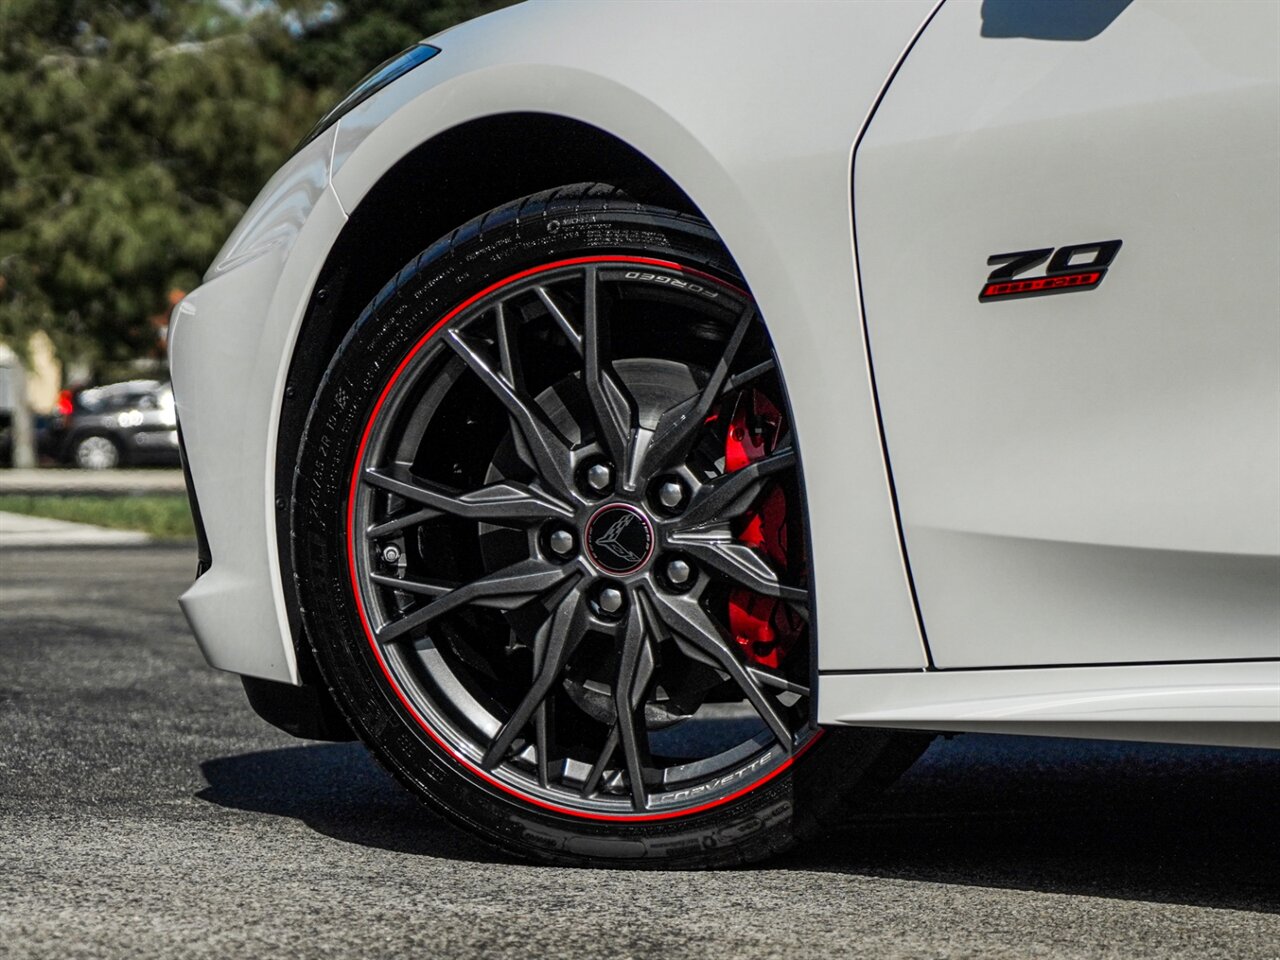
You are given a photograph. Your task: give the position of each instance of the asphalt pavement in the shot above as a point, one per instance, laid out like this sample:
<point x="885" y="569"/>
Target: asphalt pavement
<point x="146" y="812"/>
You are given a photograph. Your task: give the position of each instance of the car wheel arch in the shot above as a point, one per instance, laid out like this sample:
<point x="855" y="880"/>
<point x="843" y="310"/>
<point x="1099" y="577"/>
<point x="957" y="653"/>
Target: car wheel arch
<point x="382" y="233"/>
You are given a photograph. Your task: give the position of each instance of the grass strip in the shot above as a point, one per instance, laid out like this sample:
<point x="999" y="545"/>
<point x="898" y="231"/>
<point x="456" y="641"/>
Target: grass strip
<point x="165" y="516"/>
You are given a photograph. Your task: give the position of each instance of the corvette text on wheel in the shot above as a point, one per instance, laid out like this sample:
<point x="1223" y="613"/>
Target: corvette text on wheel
<point x="556" y="425"/>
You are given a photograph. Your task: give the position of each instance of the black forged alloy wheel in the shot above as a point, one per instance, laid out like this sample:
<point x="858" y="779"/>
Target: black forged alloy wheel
<point x="550" y="538"/>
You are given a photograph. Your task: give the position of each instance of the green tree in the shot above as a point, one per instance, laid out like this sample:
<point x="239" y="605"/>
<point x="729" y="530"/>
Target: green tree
<point x="134" y="133"/>
<point x="132" y="136"/>
<point x="343" y="42"/>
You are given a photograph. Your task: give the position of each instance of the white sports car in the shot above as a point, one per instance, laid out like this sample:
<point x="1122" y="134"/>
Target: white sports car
<point x="644" y="424"/>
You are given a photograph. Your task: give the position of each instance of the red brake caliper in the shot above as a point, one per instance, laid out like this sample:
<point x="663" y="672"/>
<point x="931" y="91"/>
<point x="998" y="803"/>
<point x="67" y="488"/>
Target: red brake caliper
<point x="764" y="627"/>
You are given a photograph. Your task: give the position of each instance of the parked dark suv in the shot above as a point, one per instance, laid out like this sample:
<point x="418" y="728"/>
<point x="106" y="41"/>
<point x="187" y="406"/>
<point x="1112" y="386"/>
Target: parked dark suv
<point x="120" y="423"/>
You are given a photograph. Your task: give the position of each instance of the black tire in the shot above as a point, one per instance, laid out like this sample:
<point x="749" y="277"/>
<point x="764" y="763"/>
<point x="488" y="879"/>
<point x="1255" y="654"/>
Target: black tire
<point x="801" y="795"/>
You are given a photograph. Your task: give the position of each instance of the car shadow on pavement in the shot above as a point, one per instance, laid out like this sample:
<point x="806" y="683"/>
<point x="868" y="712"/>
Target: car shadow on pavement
<point x="1196" y="826"/>
<point x="1128" y="821"/>
<point x="338" y="790"/>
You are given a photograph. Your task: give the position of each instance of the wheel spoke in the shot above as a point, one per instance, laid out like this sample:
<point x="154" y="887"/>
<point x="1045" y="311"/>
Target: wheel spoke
<point x="508" y="355"/>
<point x="388" y="527"/>
<point x="690" y="622"/>
<point x="737" y="562"/>
<point x="614" y="412"/>
<point x="635" y="668"/>
<point x="558" y="638"/>
<point x="426" y="588"/>
<point x="507" y="501"/>
<point x="766" y="679"/>
<point x="678" y="427"/>
<point x="602" y="761"/>
<point x="561" y="320"/>
<point x="548" y="450"/>
<point x="541" y="740"/>
<point x="504" y="589"/>
<point x="730" y="494"/>
<point x="739" y="380"/>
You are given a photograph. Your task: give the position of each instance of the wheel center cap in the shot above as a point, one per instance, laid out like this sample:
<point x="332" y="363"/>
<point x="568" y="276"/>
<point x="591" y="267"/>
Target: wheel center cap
<point x="619" y="538"/>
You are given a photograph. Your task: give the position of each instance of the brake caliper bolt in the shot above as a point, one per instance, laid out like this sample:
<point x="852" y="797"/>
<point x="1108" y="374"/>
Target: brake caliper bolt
<point x="609" y="599"/>
<point x="679" y="572"/>
<point x="391" y="553"/>
<point x="599" y="476"/>
<point x="561" y="542"/>
<point x="671" y="494"/>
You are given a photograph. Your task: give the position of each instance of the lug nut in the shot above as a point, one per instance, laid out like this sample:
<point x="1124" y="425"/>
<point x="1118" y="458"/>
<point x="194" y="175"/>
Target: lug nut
<point x="671" y="494"/>
<point x="609" y="599"/>
<point x="599" y="476"/>
<point x="391" y="553"/>
<point x="679" y="572"/>
<point x="561" y="543"/>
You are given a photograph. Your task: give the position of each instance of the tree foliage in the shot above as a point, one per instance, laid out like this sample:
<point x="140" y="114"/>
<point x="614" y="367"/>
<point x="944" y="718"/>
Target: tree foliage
<point x="134" y="133"/>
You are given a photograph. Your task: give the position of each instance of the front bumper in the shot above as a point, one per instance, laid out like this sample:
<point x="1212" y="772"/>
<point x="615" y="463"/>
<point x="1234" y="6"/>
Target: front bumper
<point x="223" y="391"/>
<point x="229" y="344"/>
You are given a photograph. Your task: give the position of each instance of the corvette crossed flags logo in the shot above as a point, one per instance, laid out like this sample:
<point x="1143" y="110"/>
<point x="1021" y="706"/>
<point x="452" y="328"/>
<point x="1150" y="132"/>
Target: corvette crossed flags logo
<point x="610" y="541"/>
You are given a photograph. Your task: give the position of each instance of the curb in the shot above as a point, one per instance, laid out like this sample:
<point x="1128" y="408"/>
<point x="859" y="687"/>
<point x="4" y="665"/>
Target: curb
<point x="176" y="546"/>
<point x="52" y="481"/>
<point x="19" y="530"/>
